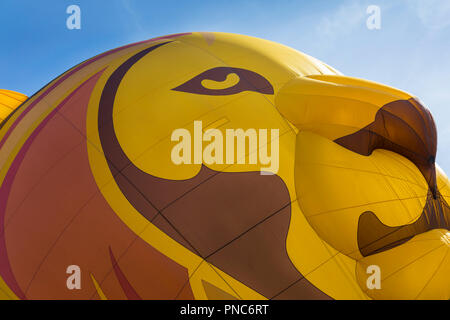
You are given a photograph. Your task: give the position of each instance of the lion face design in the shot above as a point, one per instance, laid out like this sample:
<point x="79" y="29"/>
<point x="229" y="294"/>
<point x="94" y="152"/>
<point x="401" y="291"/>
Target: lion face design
<point x="87" y="179"/>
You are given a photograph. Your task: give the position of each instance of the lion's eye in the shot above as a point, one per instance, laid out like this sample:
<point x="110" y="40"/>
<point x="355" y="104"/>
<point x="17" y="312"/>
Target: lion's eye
<point x="223" y="81"/>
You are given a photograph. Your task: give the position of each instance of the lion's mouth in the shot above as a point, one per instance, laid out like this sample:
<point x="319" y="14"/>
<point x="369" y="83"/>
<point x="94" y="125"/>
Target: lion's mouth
<point x="375" y="237"/>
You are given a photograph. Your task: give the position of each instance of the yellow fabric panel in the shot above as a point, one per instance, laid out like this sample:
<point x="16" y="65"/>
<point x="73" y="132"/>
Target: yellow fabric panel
<point x="99" y="290"/>
<point x="331" y="105"/>
<point x="342" y="285"/>
<point x="414" y="270"/>
<point x="9" y="100"/>
<point x="5" y="292"/>
<point x="240" y="49"/>
<point x="356" y="82"/>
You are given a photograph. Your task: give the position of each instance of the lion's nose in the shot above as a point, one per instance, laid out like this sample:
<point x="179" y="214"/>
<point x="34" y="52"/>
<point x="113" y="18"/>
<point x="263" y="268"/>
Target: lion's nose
<point x="405" y="127"/>
<point x="363" y="116"/>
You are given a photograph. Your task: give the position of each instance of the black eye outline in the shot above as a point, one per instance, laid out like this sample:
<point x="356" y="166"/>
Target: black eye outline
<point x="248" y="81"/>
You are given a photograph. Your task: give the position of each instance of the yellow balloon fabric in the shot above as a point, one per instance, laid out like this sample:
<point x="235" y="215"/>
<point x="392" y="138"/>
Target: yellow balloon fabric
<point x="9" y="100"/>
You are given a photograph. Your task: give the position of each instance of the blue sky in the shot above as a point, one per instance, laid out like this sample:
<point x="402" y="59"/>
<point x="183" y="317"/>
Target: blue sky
<point x="411" y="51"/>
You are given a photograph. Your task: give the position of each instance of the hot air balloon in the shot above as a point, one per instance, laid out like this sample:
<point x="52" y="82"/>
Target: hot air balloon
<point x="220" y="166"/>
